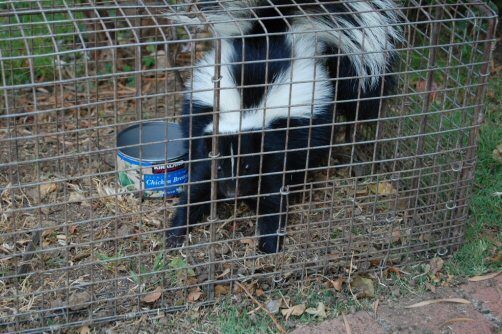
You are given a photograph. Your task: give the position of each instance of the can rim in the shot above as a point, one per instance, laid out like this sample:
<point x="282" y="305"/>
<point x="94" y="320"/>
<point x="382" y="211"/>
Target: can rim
<point x="174" y="159"/>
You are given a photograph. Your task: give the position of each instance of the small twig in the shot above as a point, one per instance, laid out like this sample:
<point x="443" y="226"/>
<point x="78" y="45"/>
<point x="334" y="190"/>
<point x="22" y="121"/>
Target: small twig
<point x="347" y="326"/>
<point x="29" y="253"/>
<point x="274" y="319"/>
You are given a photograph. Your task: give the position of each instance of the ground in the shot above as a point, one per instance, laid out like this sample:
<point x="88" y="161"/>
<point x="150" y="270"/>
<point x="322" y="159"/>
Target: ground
<point x="482" y="315"/>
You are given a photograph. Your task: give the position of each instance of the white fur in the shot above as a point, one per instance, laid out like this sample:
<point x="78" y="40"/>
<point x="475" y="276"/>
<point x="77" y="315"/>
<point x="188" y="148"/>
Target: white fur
<point x="202" y="89"/>
<point x="368" y="47"/>
<point x="299" y="92"/>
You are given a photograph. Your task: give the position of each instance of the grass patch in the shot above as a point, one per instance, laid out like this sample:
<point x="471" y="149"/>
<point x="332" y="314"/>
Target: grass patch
<point x="483" y="235"/>
<point x="27" y="37"/>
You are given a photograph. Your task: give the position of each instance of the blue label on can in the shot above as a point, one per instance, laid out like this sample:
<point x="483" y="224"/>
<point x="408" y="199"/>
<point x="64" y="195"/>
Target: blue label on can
<point x="170" y="182"/>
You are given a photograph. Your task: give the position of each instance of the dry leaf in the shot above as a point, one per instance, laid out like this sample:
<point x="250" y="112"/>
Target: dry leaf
<point x="436" y="264"/>
<point x="296" y="310"/>
<point x="394" y="270"/>
<point x="84" y="330"/>
<point x="259" y="292"/>
<point x="194" y="295"/>
<point x="364" y="287"/>
<point x="47" y="188"/>
<point x="483" y="277"/>
<point x="396" y="235"/>
<point x="435" y="301"/>
<point x="320" y="311"/>
<point x="337" y="284"/>
<point x="76" y="197"/>
<point x="249" y="241"/>
<point x="153" y="296"/>
<point x="382" y="188"/>
<point x="72" y="229"/>
<point x="221" y="290"/>
<point x="79" y="300"/>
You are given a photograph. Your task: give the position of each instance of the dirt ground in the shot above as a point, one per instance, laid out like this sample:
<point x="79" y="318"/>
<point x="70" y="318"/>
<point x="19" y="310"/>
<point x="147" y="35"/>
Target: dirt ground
<point x="481" y="313"/>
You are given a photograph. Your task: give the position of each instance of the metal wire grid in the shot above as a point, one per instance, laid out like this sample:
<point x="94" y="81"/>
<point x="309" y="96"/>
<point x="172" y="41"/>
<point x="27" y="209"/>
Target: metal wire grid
<point x="77" y="249"/>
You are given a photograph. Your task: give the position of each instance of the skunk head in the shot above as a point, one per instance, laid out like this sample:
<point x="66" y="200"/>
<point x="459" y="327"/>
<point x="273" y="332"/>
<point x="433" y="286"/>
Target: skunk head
<point x="238" y="168"/>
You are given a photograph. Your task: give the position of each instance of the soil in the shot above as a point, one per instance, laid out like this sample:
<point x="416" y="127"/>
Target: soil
<point x="482" y="315"/>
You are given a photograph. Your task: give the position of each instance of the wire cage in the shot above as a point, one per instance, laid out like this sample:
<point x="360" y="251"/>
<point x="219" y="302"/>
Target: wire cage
<point x="79" y="247"/>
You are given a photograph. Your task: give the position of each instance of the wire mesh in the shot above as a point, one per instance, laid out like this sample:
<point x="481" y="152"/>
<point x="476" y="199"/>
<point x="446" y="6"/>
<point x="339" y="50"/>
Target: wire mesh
<point x="78" y="247"/>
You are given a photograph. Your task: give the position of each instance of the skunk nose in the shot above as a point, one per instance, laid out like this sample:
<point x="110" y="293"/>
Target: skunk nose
<point x="230" y="194"/>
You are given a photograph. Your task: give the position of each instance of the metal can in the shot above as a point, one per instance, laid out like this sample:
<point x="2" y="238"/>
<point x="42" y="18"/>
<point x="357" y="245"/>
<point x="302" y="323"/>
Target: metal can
<point x="151" y="159"/>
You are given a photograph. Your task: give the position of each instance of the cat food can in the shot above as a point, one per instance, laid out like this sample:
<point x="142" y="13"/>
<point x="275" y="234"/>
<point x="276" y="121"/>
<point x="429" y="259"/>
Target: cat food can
<point x="151" y="159"/>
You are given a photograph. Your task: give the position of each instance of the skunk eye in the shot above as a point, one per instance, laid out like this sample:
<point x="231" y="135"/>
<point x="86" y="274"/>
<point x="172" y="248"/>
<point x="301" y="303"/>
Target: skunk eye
<point x="219" y="168"/>
<point x="246" y="166"/>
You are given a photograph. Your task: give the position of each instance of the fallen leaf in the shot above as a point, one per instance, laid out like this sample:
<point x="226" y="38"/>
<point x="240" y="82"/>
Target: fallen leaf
<point x="47" y="188"/>
<point x="394" y="270"/>
<point x="194" y="295"/>
<point x="364" y="287"/>
<point x="435" y="301"/>
<point x="320" y="311"/>
<point x="274" y="305"/>
<point x="248" y="241"/>
<point x="382" y="188"/>
<point x="221" y="290"/>
<point x="337" y="284"/>
<point x="259" y="292"/>
<point x="296" y="310"/>
<point x="79" y="300"/>
<point x="436" y="264"/>
<point x="76" y="197"/>
<point x="72" y="229"/>
<point x="484" y="277"/>
<point x="84" y="330"/>
<point x="153" y="296"/>
<point x="396" y="235"/>
<point x="451" y="321"/>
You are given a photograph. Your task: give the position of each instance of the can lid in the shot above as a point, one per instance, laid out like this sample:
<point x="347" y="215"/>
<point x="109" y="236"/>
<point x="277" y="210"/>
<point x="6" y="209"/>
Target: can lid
<point x="163" y="135"/>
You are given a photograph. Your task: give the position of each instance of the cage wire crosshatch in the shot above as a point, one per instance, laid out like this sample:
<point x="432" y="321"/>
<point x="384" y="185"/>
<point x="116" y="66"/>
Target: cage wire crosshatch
<point x="76" y="247"/>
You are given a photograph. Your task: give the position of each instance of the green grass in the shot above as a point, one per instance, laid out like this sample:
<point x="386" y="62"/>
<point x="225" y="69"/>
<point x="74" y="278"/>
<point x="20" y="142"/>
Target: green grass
<point x="236" y="320"/>
<point x="16" y="41"/>
<point x="483" y="235"/>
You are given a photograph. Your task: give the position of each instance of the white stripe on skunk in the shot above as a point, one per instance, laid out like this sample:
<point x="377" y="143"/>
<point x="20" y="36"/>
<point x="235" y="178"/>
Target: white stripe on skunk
<point x="367" y="44"/>
<point x="299" y="92"/>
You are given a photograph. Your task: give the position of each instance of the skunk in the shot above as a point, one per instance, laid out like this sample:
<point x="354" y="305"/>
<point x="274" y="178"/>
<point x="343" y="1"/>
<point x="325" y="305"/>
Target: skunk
<point x="287" y="66"/>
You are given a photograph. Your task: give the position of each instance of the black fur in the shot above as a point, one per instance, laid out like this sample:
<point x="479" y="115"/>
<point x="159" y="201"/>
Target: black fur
<point x="271" y="207"/>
